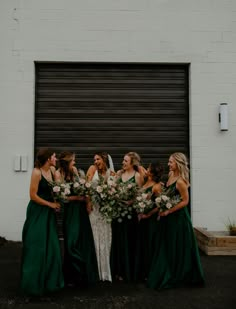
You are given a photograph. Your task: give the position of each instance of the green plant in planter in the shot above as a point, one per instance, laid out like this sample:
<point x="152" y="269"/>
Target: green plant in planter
<point x="231" y="227"/>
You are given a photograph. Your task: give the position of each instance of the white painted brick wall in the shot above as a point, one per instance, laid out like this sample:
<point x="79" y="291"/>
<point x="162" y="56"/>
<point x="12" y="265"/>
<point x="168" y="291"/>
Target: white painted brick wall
<point x="199" y="32"/>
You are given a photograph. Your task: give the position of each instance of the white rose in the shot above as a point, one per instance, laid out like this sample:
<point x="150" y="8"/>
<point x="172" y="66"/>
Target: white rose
<point x="139" y="198"/>
<point x="99" y="189"/>
<point x="158" y="200"/>
<point x="165" y="198"/>
<point x="76" y="185"/>
<point x="67" y="191"/>
<point x="168" y="205"/>
<point x="144" y="196"/>
<point x="82" y="181"/>
<point x="87" y="184"/>
<point x="56" y="189"/>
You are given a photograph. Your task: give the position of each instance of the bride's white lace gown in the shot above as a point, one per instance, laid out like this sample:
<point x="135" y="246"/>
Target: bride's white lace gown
<point x="102" y="240"/>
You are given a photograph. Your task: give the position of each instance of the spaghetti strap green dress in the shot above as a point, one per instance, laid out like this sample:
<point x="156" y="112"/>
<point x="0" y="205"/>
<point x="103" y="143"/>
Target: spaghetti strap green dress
<point x="41" y="263"/>
<point x="80" y="263"/>
<point x="146" y="236"/>
<point x="176" y="261"/>
<point x="123" y="245"/>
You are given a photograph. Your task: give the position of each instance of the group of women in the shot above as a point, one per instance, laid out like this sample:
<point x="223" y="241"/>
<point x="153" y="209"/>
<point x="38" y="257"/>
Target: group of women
<point x="158" y="248"/>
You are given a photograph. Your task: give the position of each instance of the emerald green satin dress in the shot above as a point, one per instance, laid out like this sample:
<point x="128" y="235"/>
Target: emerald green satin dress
<point x="41" y="265"/>
<point x="146" y="236"/>
<point x="176" y="261"/>
<point x="80" y="263"/>
<point x="123" y="246"/>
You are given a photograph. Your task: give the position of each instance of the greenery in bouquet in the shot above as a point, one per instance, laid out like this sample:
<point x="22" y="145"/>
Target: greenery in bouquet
<point x="81" y="187"/>
<point x="126" y="196"/>
<point x="142" y="202"/>
<point x="105" y="195"/>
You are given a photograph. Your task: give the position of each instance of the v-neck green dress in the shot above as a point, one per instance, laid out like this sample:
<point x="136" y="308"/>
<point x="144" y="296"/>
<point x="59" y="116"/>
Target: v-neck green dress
<point x="176" y="261"/>
<point x="41" y="266"/>
<point x="123" y="245"/>
<point x="80" y="263"/>
<point x="146" y="237"/>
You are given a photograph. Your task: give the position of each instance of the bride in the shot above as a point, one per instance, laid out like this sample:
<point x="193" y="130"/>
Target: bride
<point x="102" y="168"/>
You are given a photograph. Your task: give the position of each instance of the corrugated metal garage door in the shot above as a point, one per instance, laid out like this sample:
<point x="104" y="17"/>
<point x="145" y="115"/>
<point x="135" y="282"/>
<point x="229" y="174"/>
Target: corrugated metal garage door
<point x="114" y="107"/>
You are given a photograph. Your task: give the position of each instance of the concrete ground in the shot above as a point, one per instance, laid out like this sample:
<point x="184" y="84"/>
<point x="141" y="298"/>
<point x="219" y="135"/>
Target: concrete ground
<point x="219" y="292"/>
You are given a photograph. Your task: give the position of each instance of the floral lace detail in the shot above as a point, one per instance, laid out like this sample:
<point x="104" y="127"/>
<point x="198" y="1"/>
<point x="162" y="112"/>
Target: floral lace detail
<point x="102" y="240"/>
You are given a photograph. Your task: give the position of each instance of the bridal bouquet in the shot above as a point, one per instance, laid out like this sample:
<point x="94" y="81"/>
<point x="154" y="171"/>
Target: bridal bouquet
<point x="142" y="202"/>
<point x="81" y="187"/>
<point x="105" y="195"/>
<point x="126" y="195"/>
<point x="60" y="191"/>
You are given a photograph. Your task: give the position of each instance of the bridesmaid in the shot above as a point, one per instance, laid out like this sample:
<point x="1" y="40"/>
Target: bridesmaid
<point x="176" y="261"/>
<point x="80" y="264"/>
<point x="124" y="233"/>
<point x="41" y="268"/>
<point x="147" y="227"/>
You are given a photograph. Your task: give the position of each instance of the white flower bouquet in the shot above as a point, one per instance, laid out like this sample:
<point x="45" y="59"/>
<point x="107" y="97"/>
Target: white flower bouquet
<point x="142" y="202"/>
<point x="81" y="187"/>
<point x="164" y="202"/>
<point x="60" y="191"/>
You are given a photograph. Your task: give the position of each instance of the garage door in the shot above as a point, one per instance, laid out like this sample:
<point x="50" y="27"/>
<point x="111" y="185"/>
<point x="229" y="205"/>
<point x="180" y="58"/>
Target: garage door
<point x="113" y="107"/>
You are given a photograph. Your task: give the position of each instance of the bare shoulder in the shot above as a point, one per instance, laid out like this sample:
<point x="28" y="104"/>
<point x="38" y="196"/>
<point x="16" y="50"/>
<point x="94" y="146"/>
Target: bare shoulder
<point x="182" y="183"/>
<point x="53" y="169"/>
<point x="36" y="172"/>
<point x="157" y="188"/>
<point x="91" y="171"/>
<point x="57" y="173"/>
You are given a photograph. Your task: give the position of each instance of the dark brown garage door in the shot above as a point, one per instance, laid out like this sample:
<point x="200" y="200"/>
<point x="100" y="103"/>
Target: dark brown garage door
<point x="114" y="107"/>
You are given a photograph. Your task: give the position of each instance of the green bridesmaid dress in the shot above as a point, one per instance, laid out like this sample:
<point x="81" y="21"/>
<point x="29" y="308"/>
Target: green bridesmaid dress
<point x="146" y="236"/>
<point x="123" y="246"/>
<point x="80" y="263"/>
<point x="176" y="261"/>
<point x="41" y="265"/>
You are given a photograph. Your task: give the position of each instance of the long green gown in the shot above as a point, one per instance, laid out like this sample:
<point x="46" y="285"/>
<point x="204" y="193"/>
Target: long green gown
<point x="146" y="236"/>
<point x="41" y="265"/>
<point x="123" y="246"/>
<point x="176" y="261"/>
<point x="80" y="263"/>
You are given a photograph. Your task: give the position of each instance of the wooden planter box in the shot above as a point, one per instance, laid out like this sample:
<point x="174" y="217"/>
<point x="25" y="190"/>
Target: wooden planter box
<point x="215" y="243"/>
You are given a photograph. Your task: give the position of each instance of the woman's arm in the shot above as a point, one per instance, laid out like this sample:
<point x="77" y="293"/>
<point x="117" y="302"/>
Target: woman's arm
<point x="138" y="179"/>
<point x="34" y="184"/>
<point x="90" y="173"/>
<point x="89" y="176"/>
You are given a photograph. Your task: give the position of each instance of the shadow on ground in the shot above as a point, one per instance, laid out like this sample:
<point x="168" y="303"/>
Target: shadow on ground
<point x="219" y="292"/>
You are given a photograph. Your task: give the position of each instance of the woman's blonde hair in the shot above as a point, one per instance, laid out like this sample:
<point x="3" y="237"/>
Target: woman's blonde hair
<point x="182" y="164"/>
<point x="134" y="159"/>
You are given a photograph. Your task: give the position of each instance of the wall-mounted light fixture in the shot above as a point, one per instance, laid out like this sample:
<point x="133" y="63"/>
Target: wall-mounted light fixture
<point x="223" y="117"/>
